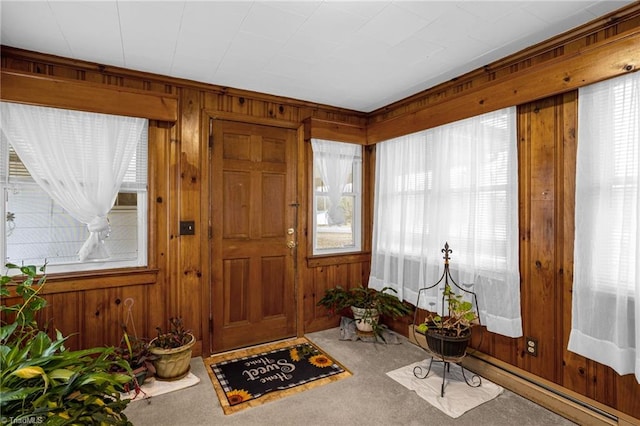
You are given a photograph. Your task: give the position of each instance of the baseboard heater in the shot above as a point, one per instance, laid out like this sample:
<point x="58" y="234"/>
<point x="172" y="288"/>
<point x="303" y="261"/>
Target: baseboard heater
<point x="564" y="402"/>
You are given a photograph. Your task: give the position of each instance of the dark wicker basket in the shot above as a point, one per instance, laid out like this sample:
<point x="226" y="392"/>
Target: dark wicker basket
<point x="447" y="346"/>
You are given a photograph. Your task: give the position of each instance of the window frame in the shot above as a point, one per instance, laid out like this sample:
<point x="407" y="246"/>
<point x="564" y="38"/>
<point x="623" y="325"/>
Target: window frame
<point x="143" y="216"/>
<point x="357" y="214"/>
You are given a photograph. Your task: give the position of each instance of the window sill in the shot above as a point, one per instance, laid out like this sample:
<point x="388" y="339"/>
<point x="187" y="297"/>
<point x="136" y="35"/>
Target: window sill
<point x="94" y="280"/>
<point x="338" y="259"/>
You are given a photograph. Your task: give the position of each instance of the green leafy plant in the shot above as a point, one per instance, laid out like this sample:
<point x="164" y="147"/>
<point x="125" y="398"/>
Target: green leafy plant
<point x="137" y="354"/>
<point x="375" y="302"/>
<point x="175" y="336"/>
<point x="459" y="319"/>
<point x="337" y="298"/>
<point x="135" y="351"/>
<point x="41" y="382"/>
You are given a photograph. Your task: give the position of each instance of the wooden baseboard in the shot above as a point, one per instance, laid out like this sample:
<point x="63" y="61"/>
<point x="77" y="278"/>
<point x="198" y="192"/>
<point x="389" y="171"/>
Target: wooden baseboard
<point x="562" y="401"/>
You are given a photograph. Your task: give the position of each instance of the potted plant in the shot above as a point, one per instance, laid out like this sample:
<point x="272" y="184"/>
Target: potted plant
<point x="173" y="350"/>
<point x="449" y="335"/>
<point x="366" y="304"/>
<point x="42" y="382"/>
<point x="136" y="352"/>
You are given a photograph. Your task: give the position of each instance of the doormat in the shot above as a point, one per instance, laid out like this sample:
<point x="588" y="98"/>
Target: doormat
<point x="458" y="396"/>
<point x="253" y="376"/>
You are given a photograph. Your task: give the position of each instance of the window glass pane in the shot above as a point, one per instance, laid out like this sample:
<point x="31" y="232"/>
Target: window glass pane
<point x="37" y="230"/>
<point x="331" y="236"/>
<point x="40" y="230"/>
<point x="455" y="184"/>
<point x="337" y="170"/>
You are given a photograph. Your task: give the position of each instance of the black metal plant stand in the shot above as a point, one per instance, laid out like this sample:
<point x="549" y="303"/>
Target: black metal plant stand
<point x="436" y="344"/>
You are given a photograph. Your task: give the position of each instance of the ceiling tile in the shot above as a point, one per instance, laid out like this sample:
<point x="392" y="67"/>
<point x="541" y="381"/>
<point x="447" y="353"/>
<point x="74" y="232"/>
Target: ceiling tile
<point x="363" y="9"/>
<point x="430" y="10"/>
<point x="32" y="26"/>
<point x="303" y="8"/>
<point x="272" y="23"/>
<point x="392" y="25"/>
<point x="150" y="43"/>
<point x="90" y="24"/>
<point x="517" y="24"/>
<point x="331" y="23"/>
<point x="491" y="11"/>
<point x="308" y="48"/>
<point x="604" y="7"/>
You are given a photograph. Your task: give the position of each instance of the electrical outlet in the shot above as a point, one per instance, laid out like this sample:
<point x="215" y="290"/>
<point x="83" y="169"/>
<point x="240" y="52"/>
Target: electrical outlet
<point x="531" y="346"/>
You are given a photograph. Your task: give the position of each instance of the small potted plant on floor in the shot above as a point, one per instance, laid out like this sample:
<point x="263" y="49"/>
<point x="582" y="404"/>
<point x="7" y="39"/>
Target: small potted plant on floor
<point x="173" y="351"/>
<point x="136" y="352"/>
<point x="449" y="335"/>
<point x="367" y="305"/>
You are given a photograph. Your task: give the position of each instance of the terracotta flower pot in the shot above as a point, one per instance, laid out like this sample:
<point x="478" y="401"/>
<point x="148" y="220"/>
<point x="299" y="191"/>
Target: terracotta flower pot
<point x="174" y="363"/>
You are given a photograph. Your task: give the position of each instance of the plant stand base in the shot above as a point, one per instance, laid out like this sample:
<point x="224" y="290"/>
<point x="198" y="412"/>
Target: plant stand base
<point x="474" y="381"/>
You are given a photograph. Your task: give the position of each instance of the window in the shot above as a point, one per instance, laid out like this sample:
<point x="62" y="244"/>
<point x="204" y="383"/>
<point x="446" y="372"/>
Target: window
<point x="37" y="229"/>
<point x="337" y="197"/>
<point x="606" y="287"/>
<point x="456" y="183"/>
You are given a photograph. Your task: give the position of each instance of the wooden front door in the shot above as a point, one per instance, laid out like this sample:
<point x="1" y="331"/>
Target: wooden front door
<point x="253" y="211"/>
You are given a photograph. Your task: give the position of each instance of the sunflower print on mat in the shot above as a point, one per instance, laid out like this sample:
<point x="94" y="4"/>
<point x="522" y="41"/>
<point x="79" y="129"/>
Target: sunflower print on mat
<point x="294" y="355"/>
<point x="237" y="396"/>
<point x="320" y="361"/>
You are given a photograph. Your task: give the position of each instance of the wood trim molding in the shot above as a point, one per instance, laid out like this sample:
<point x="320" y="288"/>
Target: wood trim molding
<point x="250" y="119"/>
<point x="334" y="131"/>
<point x="569" y="404"/>
<point x="41" y="90"/>
<point x="337" y="259"/>
<point x="610" y="58"/>
<point x="119" y="72"/>
<point x="94" y="280"/>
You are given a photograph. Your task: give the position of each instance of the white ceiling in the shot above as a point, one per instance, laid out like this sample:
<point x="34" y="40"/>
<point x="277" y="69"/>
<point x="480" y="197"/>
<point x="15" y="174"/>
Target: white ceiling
<point x="360" y="55"/>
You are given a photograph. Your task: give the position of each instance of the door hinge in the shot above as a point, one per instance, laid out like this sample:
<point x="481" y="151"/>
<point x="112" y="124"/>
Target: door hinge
<point x="210" y="232"/>
<point x="210" y="324"/>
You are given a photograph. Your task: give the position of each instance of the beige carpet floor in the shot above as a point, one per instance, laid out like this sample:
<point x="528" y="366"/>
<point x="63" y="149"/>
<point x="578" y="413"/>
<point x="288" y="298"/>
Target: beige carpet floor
<point x="369" y="397"/>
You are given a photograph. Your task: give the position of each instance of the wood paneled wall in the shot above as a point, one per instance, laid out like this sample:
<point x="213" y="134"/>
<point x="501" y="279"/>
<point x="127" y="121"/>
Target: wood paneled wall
<point x="177" y="280"/>
<point x="541" y="81"/>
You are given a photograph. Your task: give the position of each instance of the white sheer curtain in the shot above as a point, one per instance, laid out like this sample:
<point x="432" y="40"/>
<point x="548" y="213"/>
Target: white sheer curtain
<point x="78" y="158"/>
<point x="457" y="183"/>
<point x="334" y="161"/>
<point x="606" y="279"/>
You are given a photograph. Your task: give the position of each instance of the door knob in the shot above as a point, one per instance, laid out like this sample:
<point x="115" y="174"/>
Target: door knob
<point x="291" y="244"/>
<point x="290" y="231"/>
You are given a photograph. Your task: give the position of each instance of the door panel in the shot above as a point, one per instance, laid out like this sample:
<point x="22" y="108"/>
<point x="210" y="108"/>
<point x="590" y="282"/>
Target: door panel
<point x="237" y="190"/>
<point x="253" y="174"/>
